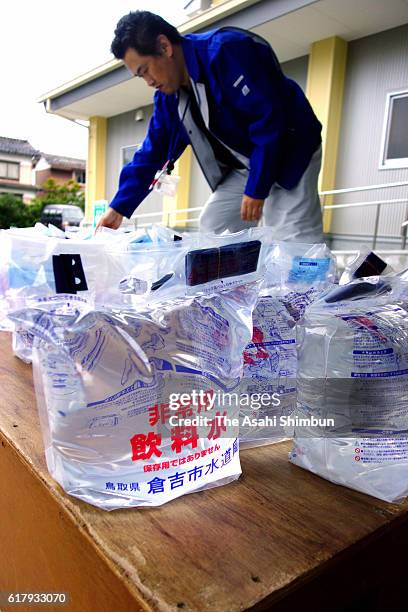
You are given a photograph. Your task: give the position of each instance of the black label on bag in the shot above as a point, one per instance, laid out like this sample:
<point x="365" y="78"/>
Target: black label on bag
<point x="69" y="273"/>
<point x="371" y="266"/>
<point x="205" y="265"/>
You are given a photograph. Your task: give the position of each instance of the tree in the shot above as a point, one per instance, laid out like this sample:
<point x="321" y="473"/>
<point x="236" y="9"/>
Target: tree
<point x="68" y="193"/>
<point x="13" y="212"/>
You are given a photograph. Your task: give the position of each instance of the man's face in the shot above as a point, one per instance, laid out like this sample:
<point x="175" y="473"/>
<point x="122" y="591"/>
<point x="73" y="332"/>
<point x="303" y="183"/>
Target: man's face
<point x="159" y="71"/>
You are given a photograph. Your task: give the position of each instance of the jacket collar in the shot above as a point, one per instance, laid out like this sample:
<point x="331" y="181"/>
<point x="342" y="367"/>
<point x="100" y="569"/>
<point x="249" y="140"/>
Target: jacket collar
<point x="190" y="57"/>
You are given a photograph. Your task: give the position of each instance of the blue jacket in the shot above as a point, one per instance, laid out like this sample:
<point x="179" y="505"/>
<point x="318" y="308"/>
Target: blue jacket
<point x="254" y="109"/>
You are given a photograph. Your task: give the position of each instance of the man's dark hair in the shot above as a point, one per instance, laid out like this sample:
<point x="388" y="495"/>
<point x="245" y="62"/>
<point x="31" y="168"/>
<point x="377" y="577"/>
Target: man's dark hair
<point x="139" y="30"/>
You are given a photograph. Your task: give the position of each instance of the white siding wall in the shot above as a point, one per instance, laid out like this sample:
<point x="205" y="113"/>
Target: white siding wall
<point x="297" y="70"/>
<point x="123" y="131"/>
<point x="376" y="65"/>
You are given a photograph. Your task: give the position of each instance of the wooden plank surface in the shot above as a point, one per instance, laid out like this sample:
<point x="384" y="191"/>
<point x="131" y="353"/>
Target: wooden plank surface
<point x="249" y="543"/>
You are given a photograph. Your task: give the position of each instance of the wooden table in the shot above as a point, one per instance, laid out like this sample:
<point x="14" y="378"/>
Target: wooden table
<point x="278" y="538"/>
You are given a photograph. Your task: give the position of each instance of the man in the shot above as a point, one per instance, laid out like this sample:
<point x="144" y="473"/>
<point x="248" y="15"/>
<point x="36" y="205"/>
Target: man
<point x="252" y="130"/>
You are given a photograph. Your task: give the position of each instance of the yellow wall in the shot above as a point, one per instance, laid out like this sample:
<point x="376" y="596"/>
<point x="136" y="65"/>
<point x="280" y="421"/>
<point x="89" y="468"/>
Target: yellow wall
<point x="182" y="169"/>
<point x="325" y="86"/>
<point x="96" y="164"/>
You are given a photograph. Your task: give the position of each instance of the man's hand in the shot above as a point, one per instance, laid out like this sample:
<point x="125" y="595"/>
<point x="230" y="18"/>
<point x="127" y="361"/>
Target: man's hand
<point x="111" y="219"/>
<point x="251" y="209"/>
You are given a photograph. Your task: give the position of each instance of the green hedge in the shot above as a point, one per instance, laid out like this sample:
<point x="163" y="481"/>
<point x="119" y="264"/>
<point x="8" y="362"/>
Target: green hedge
<point x="14" y="213"/>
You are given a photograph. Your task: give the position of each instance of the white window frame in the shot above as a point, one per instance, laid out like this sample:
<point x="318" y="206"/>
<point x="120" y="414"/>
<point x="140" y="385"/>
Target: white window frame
<point x="401" y="162"/>
<point x="123" y="149"/>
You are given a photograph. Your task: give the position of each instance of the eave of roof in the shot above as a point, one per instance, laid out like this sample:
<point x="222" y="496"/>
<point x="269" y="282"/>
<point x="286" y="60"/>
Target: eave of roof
<point x="64" y="163"/>
<point x="203" y="19"/>
<point x="291" y="26"/>
<point x="17" y="146"/>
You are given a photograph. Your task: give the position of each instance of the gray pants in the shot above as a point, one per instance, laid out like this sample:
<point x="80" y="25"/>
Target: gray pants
<point x="293" y="214"/>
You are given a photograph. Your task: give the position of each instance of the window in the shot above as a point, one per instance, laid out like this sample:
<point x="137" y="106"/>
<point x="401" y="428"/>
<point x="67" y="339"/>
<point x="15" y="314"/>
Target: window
<point x="127" y="153"/>
<point x="394" y="150"/>
<point x="79" y="176"/>
<point x="9" y="170"/>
